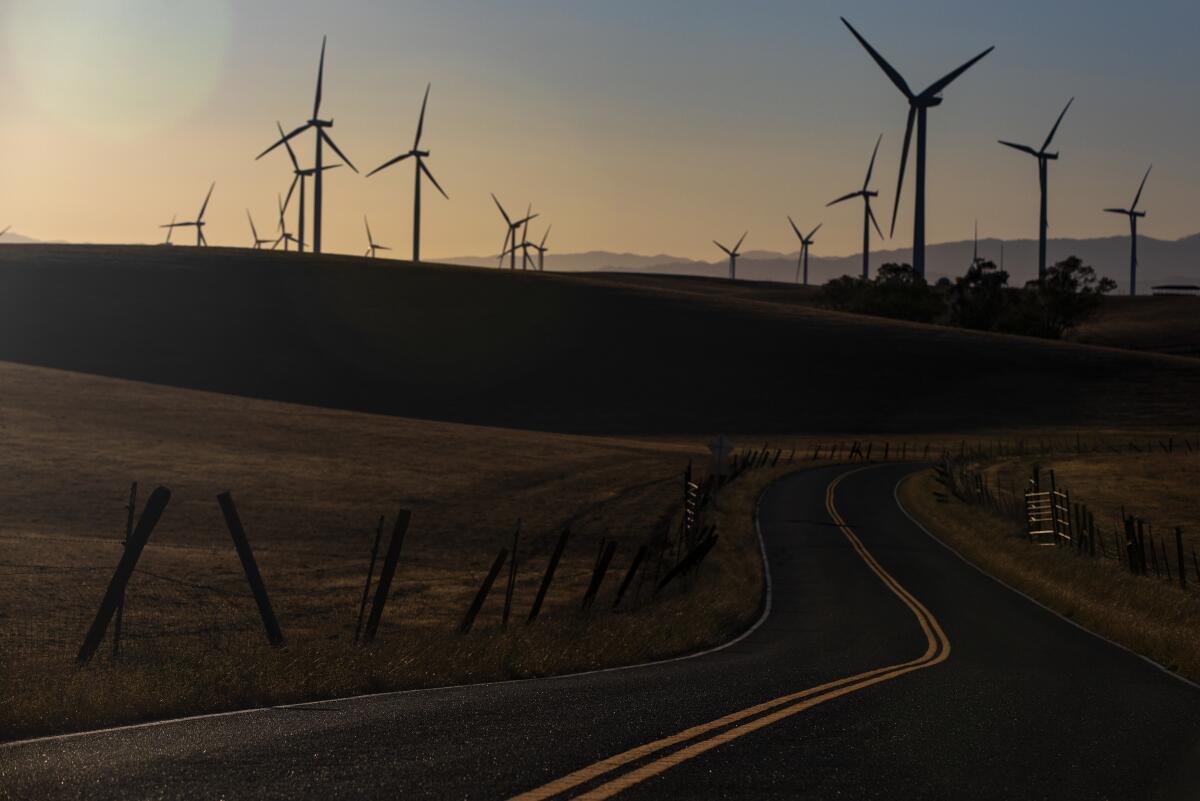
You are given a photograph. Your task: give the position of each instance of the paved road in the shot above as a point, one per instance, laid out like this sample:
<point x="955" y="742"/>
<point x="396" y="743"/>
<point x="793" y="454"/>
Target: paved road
<point x="887" y="668"/>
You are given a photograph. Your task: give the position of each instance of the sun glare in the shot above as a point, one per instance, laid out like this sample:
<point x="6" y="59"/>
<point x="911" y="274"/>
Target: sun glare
<point x="122" y="69"/>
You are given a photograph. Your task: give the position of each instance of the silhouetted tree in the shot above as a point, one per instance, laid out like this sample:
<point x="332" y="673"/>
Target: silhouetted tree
<point x="896" y="291"/>
<point x="1067" y="295"/>
<point x="977" y="299"/>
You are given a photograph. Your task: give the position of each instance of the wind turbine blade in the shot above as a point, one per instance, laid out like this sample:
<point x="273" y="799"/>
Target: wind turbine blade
<point x="382" y="247"/>
<point x="799" y="235"/>
<point x="871" y="166"/>
<point x="519" y="223"/>
<point x="1118" y="211"/>
<point x="503" y="213"/>
<point x="253" y="230"/>
<point x="1022" y="148"/>
<point x="341" y="155"/>
<point x="320" y="80"/>
<point x="722" y="247"/>
<point x="291" y="153"/>
<point x="740" y="241"/>
<point x="200" y="216"/>
<point x="1138" y="196"/>
<point x="871" y="214"/>
<point x="887" y="68"/>
<point x="908" y="129"/>
<point x="325" y="167"/>
<point x="301" y="129"/>
<point x="1057" y="122"/>
<point x="938" y="86"/>
<point x="429" y="175"/>
<point x="542" y="246"/>
<point x="295" y="179"/>
<point x="814" y="231"/>
<point x="421" y="121"/>
<point x="387" y="164"/>
<point x="369" y="239"/>
<point x="504" y="248"/>
<point x="5" y="231"/>
<point x="843" y="198"/>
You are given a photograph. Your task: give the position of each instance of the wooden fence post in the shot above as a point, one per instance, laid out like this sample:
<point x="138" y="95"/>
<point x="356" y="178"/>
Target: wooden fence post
<point x="598" y="575"/>
<point x="387" y="572"/>
<point x="512" y="576"/>
<point x="242" y="544"/>
<point x="549" y="576"/>
<point x="130" y="508"/>
<point x="366" y="593"/>
<point x="633" y="568"/>
<point x="484" y="589"/>
<point x="116" y="586"/>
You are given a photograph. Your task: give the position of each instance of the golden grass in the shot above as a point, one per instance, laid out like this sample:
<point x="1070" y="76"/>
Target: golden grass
<point x="1155" y="486"/>
<point x="1153" y="618"/>
<point x="310" y="484"/>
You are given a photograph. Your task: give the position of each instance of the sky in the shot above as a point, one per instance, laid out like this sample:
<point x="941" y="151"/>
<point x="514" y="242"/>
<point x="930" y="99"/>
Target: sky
<point x="647" y="126"/>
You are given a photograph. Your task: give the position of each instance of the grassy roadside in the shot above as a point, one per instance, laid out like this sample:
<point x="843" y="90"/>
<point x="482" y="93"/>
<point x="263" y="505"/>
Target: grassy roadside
<point x="1151" y="618"/>
<point x="720" y="600"/>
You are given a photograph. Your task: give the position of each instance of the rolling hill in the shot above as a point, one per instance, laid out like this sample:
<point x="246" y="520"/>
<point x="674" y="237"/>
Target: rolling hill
<point x="593" y="353"/>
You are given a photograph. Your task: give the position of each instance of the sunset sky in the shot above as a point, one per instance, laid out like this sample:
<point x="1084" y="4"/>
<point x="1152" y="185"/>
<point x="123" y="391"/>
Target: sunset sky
<point x="648" y="126"/>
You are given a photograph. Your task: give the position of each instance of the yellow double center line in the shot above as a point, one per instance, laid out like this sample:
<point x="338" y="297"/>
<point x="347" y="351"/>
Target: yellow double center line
<point x="739" y="724"/>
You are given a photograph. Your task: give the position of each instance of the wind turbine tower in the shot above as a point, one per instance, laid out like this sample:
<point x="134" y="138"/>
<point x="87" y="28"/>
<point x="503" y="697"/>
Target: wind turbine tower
<point x="1044" y="157"/>
<point x="918" y="107"/>
<point x="1134" y="215"/>
<point x="866" y="193"/>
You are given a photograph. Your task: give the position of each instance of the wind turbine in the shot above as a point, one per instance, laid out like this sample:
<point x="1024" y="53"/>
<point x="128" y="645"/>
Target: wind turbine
<point x="868" y="216"/>
<point x="322" y="138"/>
<point x="733" y="255"/>
<point x="170" y="229"/>
<point x="805" y="241"/>
<point x="198" y="223"/>
<point x="299" y="176"/>
<point x="511" y="233"/>
<point x="918" y="106"/>
<point x="284" y="235"/>
<point x="419" y="157"/>
<point x="258" y="243"/>
<point x="372" y="246"/>
<point x="541" y="249"/>
<point x="1133" y="214"/>
<point x="1044" y="158"/>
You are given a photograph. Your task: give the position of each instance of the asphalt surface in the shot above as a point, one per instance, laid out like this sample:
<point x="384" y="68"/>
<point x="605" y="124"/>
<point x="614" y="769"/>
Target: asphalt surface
<point x="984" y="695"/>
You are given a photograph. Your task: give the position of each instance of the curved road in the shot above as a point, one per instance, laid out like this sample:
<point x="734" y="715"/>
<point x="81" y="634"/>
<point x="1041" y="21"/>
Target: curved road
<point x="887" y="668"/>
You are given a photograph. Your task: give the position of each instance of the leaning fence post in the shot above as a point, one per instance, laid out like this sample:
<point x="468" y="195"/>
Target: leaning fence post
<point x="633" y="568"/>
<point x="598" y="575"/>
<point x="242" y="544"/>
<point x="484" y="589"/>
<point x="512" y="576"/>
<point x="116" y="586"/>
<point x="130" y="508"/>
<point x="362" y="606"/>
<point x="549" y="576"/>
<point x="387" y="572"/>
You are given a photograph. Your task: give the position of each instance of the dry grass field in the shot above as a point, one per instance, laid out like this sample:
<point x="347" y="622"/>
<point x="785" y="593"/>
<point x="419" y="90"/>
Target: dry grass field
<point x="1153" y="618"/>
<point x="1154" y="485"/>
<point x="1163" y="324"/>
<point x="310" y="484"/>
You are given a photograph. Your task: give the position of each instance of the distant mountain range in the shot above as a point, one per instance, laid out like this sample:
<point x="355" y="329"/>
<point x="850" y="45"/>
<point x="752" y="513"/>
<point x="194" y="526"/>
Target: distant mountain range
<point x="1159" y="261"/>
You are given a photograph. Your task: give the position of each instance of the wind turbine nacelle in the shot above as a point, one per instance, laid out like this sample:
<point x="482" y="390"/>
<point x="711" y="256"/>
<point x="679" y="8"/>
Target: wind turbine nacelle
<point x="320" y="123"/>
<point x="929" y="102"/>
